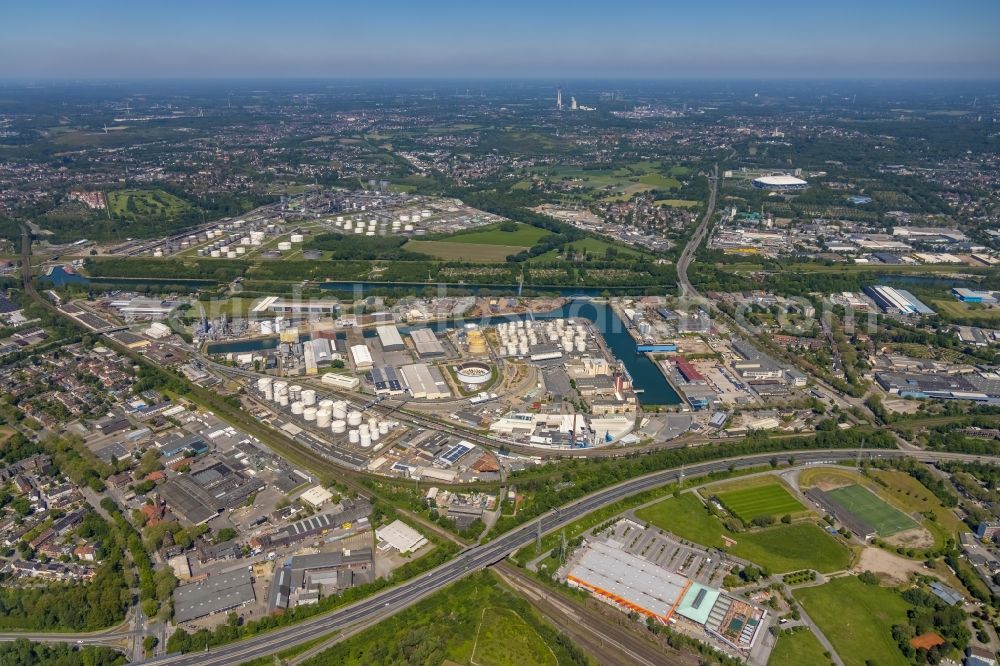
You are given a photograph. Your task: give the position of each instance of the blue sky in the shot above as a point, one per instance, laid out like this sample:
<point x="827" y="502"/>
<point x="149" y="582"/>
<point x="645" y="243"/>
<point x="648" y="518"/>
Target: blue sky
<point x="425" y="38"/>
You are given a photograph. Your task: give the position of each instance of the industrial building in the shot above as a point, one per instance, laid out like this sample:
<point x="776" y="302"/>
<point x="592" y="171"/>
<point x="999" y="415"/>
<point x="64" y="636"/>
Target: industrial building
<point x="978" y="387"/>
<point x="425" y="382"/>
<point x="893" y="300"/>
<point x="202" y="494"/>
<point x="339" y="381"/>
<point x="300" y="580"/>
<point x="780" y="183"/>
<point x="217" y="593"/>
<point x="400" y="536"/>
<point x="349" y="512"/>
<point x="389" y="338"/>
<point x="426" y="343"/>
<point x="633" y="583"/>
<point x="974" y="296"/>
<point x="362" y="357"/>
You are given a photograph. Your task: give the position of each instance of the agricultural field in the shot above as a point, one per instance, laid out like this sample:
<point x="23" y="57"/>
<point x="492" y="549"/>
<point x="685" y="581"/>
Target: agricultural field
<point x="765" y="498"/>
<point x="452" y="251"/>
<point x="857" y="618"/>
<point x="504" y="639"/>
<point x="867" y="506"/>
<point x="137" y="204"/>
<point x="474" y="622"/>
<point x="778" y="549"/>
<point x="798" y="647"/>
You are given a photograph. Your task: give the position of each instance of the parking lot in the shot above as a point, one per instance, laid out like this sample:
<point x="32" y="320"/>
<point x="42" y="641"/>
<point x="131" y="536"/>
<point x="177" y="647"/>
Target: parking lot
<point x="651" y="544"/>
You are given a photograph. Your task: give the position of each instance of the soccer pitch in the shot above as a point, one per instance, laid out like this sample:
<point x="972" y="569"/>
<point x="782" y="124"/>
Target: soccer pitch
<point x="769" y="499"/>
<point x="869" y="507"/>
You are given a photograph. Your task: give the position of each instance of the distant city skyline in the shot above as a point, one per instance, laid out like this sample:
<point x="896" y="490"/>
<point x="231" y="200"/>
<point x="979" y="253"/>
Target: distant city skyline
<point x="391" y="39"/>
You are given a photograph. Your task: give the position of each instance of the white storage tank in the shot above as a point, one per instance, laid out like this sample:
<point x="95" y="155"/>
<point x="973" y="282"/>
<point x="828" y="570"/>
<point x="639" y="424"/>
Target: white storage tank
<point x="263" y="383"/>
<point x="340" y="410"/>
<point x="383" y="428"/>
<point x="284" y="246"/>
<point x="216" y="254"/>
<point x="581" y="345"/>
<point x="338" y="426"/>
<point x="327" y="404"/>
<point x="282" y="399"/>
<point x="322" y="418"/>
<point x="296" y="238"/>
<point x="354" y="418"/>
<point x="408" y="227"/>
<point x="353" y="437"/>
<point x="366" y="440"/>
<point x="309" y="413"/>
<point x="308" y="397"/>
<point x="297" y="408"/>
<point x="374" y="434"/>
<point x="295" y="392"/>
<point x="266" y="328"/>
<point x="241" y="250"/>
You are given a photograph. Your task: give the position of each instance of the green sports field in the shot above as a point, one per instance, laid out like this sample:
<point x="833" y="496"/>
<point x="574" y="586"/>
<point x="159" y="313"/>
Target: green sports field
<point x="768" y="499"/>
<point x="886" y="519"/>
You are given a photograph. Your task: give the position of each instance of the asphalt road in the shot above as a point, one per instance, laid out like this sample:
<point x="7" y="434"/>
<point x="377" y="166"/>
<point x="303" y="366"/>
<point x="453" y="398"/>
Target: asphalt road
<point x="397" y="598"/>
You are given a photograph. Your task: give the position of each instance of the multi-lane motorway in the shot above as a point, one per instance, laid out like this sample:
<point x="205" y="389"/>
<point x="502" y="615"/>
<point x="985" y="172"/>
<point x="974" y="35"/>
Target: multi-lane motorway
<point x="397" y="598"/>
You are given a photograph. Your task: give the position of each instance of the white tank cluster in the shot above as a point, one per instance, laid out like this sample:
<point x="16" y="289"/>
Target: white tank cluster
<point x="336" y="415"/>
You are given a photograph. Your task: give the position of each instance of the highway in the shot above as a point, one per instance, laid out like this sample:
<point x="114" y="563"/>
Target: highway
<point x="691" y="249"/>
<point x="395" y="599"/>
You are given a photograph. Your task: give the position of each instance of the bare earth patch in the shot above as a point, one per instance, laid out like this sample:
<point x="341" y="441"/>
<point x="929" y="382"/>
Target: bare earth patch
<point x="918" y="537"/>
<point x="895" y="568"/>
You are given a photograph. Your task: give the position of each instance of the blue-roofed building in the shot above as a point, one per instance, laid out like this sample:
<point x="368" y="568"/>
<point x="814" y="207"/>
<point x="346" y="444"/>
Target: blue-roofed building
<point x="973" y="295"/>
<point x="946" y="594"/>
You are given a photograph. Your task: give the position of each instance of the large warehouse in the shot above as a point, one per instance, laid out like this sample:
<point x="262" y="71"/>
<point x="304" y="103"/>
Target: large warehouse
<point x="780" y="183"/>
<point x="390" y="338"/>
<point x="426" y="342"/>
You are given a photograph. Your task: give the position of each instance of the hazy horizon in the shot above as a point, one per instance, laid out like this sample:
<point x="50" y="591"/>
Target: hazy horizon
<point x="630" y="40"/>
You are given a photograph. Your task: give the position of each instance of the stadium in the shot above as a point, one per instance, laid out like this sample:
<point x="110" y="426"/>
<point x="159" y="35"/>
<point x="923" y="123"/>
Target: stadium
<point x="780" y="183"/>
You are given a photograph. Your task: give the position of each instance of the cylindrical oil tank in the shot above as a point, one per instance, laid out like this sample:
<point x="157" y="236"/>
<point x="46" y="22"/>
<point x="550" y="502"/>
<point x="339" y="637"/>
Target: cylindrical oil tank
<point x="296" y="238"/>
<point x="308" y="397"/>
<point x="340" y="410"/>
<point x="353" y="437"/>
<point x="366" y="440"/>
<point x="338" y="426"/>
<point x="354" y="419"/>
<point x="294" y="392"/>
<point x="323" y="418"/>
<point x="309" y="413"/>
<point x="297" y="407"/>
<point x="282" y="399"/>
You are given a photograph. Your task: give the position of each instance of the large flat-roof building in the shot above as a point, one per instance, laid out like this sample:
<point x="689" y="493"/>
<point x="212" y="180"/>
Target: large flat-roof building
<point x="628" y="581"/>
<point x="426" y="343"/>
<point x="894" y="300"/>
<point x="389" y="338"/>
<point x="425" y="382"/>
<point x="780" y="183"/>
<point x="400" y="536"/>
<point x="217" y="593"/>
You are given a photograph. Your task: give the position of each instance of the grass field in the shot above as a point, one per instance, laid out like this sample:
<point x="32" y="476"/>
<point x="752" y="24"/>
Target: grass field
<point x="525" y="236"/>
<point x="800" y="647"/>
<point x="135" y="204"/>
<point x="476" y="621"/>
<point x="857" y="618"/>
<point x="768" y="498"/>
<point x="504" y="639"/>
<point x="886" y="519"/>
<point x="960" y="310"/>
<point x="677" y="203"/>
<point x="779" y="549"/>
<point x="452" y="251"/>
<point x="619" y="183"/>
